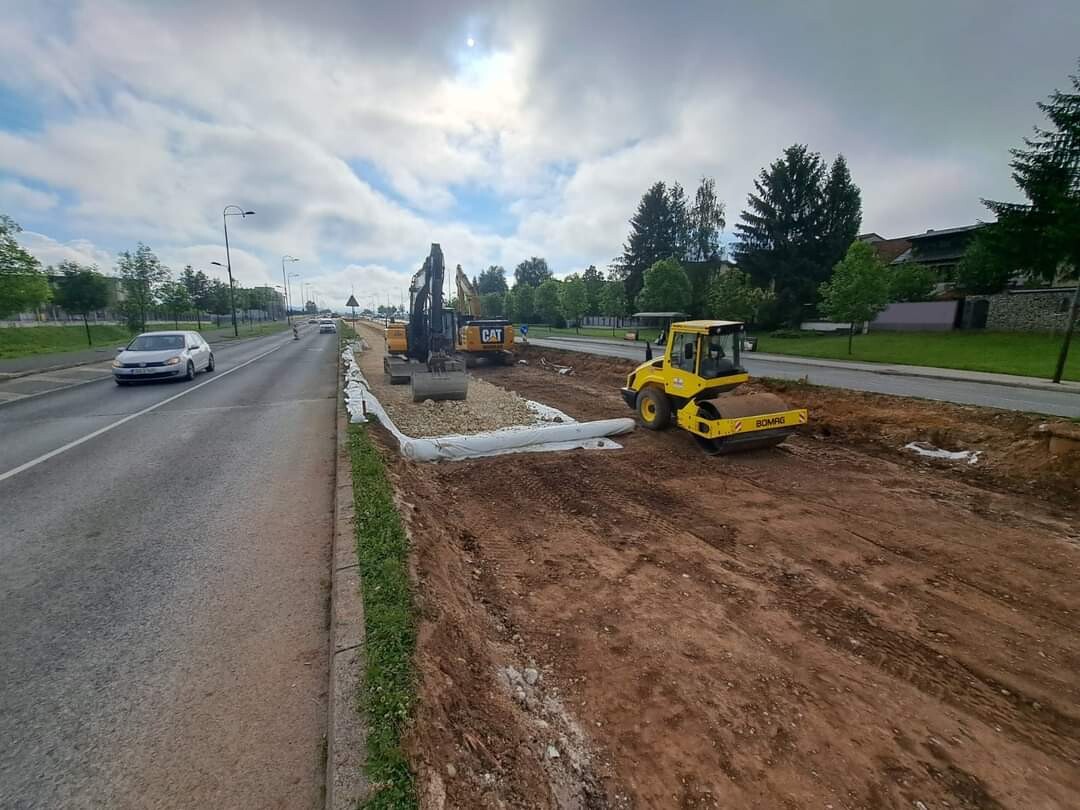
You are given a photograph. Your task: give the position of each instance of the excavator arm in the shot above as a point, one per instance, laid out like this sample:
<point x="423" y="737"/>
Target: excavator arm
<point x="468" y="299"/>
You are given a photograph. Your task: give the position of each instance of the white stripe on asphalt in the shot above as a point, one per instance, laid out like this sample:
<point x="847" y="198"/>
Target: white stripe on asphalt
<point x="63" y="449"/>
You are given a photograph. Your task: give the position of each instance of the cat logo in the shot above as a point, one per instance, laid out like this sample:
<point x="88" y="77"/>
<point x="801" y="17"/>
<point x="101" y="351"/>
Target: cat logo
<point x="771" y="421"/>
<point x="491" y="334"/>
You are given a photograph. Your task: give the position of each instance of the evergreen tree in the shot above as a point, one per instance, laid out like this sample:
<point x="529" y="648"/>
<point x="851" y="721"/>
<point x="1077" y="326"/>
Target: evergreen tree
<point x="790" y="230"/>
<point x="652" y="237"/>
<point x="680" y="219"/>
<point x="842" y="202"/>
<point x="706" y="222"/>
<point x="1045" y="231"/>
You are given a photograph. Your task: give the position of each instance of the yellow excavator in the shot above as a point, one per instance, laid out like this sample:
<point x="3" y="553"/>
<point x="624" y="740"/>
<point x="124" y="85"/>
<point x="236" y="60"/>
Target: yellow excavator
<point x="476" y="337"/>
<point x="691" y="384"/>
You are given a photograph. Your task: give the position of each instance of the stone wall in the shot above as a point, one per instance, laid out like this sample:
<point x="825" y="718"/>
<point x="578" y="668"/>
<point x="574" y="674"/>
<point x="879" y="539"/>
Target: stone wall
<point x="1023" y="310"/>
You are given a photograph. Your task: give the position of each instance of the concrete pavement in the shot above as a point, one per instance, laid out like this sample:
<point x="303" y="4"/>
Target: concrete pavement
<point x="163" y="586"/>
<point x="948" y="385"/>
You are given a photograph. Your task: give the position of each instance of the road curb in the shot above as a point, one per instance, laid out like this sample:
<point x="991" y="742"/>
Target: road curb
<point x="346" y="732"/>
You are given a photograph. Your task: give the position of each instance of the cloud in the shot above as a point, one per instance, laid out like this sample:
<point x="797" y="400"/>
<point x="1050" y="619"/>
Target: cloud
<point x="360" y="133"/>
<point x="50" y="252"/>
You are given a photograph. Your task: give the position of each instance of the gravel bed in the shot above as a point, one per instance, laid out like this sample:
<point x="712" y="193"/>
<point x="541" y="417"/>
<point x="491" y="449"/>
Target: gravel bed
<point x="487" y="407"/>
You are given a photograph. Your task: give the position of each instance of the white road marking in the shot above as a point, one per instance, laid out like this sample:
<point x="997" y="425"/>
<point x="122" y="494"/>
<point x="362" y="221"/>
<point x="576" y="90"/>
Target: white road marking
<point x="93" y="435"/>
<point x="11" y="396"/>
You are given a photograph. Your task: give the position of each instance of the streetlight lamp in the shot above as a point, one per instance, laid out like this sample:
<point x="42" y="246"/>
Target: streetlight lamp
<point x="287" y="258"/>
<point x="225" y="214"/>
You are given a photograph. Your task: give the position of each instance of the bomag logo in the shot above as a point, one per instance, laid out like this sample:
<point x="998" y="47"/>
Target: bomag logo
<point x="772" y="421"/>
<point x="491" y="334"/>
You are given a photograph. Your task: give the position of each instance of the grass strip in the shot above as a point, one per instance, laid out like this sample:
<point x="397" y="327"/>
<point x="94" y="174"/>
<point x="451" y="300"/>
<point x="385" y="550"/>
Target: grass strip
<point x="389" y="684"/>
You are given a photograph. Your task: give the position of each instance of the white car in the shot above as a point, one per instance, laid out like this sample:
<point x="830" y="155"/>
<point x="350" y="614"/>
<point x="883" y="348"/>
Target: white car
<point x="163" y="356"/>
<point x="327" y="325"/>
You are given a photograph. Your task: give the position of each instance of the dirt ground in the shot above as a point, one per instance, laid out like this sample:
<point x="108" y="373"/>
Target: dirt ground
<point x="832" y="623"/>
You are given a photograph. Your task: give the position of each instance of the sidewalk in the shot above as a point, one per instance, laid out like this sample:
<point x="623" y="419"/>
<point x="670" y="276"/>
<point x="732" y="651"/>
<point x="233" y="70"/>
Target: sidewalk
<point x="893" y="369"/>
<point x="54" y="361"/>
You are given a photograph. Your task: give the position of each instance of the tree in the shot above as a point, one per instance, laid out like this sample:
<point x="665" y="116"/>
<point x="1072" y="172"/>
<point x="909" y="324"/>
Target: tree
<point x="492" y="305"/>
<point x="858" y="289"/>
<point x="532" y="272"/>
<point x="911" y="282"/>
<point x="198" y="289"/>
<point x="984" y="269"/>
<point x="175" y="298"/>
<point x="492" y="280"/>
<point x="842" y="212"/>
<point x="547" y="304"/>
<point x="217" y="297"/>
<point x="732" y="296"/>
<point x="706" y="222"/>
<point x="594" y="287"/>
<point x="22" y="284"/>
<point x="82" y="290"/>
<point x="1046" y="229"/>
<point x="613" y="299"/>
<point x="791" y="230"/>
<point x="311" y="308"/>
<point x="652" y="238"/>
<point x="574" y="298"/>
<point x="521" y="303"/>
<point x="667" y="288"/>
<point x="141" y="273"/>
<point x="680" y="219"/>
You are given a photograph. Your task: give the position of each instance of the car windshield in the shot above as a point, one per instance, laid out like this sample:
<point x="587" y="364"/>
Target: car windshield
<point x="156" y="343"/>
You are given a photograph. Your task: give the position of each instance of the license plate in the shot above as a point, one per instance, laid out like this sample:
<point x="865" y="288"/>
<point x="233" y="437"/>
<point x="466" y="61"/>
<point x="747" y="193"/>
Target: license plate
<point x="145" y="370"/>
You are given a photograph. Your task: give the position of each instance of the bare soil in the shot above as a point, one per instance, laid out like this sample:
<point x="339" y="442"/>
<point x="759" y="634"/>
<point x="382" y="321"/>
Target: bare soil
<point x="831" y="623"/>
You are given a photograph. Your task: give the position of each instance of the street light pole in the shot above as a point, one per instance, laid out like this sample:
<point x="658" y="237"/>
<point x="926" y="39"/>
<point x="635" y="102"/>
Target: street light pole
<point x="225" y="214"/>
<point x="287" y="258"/>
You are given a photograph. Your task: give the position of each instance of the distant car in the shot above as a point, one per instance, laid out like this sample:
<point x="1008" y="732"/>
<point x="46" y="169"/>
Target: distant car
<point x="163" y="356"/>
<point x="327" y="325"/>
<point x="313" y="320"/>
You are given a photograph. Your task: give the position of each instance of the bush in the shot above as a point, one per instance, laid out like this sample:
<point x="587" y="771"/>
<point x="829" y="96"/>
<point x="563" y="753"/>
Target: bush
<point x="788" y="333"/>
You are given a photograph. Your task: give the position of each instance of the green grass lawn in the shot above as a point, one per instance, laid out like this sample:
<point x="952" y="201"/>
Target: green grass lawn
<point x="24" y="341"/>
<point x="1026" y="354"/>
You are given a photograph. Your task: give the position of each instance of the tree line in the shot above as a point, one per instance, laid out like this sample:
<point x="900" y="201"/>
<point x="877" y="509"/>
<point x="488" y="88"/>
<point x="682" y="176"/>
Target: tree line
<point x="147" y="287"/>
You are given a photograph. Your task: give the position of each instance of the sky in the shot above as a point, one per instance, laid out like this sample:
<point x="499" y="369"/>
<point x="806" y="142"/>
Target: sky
<point x="361" y="132"/>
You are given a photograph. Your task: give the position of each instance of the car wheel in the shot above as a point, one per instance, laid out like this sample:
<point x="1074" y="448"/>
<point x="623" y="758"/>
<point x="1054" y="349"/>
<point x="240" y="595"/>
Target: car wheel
<point x="210" y="363"/>
<point x="190" y="371"/>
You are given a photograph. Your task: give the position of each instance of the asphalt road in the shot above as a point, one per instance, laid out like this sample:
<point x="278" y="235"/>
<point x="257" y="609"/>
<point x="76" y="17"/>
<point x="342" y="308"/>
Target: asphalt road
<point x="1056" y="403"/>
<point x="163" y="586"/>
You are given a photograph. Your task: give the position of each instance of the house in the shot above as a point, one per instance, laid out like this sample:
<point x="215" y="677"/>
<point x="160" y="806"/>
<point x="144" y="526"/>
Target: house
<point x="941" y="251"/>
<point x="886" y="249"/>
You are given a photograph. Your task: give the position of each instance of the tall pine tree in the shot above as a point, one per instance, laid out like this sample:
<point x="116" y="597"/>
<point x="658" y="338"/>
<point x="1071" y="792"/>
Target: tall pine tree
<point x="706" y="222"/>
<point x="791" y="230"/>
<point x="652" y="238"/>
<point x="1043" y="235"/>
<point x="680" y="217"/>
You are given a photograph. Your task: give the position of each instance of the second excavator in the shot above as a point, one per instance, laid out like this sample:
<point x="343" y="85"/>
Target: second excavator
<point x="423" y="355"/>
<point x="476" y="337"/>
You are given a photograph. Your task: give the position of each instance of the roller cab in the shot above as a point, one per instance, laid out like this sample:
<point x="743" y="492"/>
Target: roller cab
<point x="692" y="384"/>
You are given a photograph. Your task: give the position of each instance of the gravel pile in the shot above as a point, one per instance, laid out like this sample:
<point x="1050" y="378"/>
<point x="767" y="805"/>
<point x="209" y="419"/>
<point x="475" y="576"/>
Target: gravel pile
<point x="488" y="407"/>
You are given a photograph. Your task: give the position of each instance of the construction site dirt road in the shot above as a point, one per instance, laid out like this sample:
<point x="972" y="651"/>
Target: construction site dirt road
<point x="832" y="623"/>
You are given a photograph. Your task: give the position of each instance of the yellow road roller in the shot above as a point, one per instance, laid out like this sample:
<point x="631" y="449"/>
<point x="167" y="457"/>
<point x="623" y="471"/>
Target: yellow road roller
<point x="692" y="384"/>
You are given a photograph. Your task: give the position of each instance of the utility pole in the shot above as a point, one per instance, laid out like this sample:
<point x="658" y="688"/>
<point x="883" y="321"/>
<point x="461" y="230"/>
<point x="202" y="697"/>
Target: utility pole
<point x="225" y="214"/>
<point x="1070" y="325"/>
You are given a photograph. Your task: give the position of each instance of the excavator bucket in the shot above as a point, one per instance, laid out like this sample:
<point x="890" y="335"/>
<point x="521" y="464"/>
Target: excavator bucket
<point x="449" y="383"/>
<point x="748" y="410"/>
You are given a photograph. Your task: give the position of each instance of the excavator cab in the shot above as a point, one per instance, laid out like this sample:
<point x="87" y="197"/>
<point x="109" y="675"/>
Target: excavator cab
<point x="691" y="386"/>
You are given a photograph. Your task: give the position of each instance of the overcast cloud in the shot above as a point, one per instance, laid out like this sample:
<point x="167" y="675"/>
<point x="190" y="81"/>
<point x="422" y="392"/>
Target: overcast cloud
<point x="361" y="132"/>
